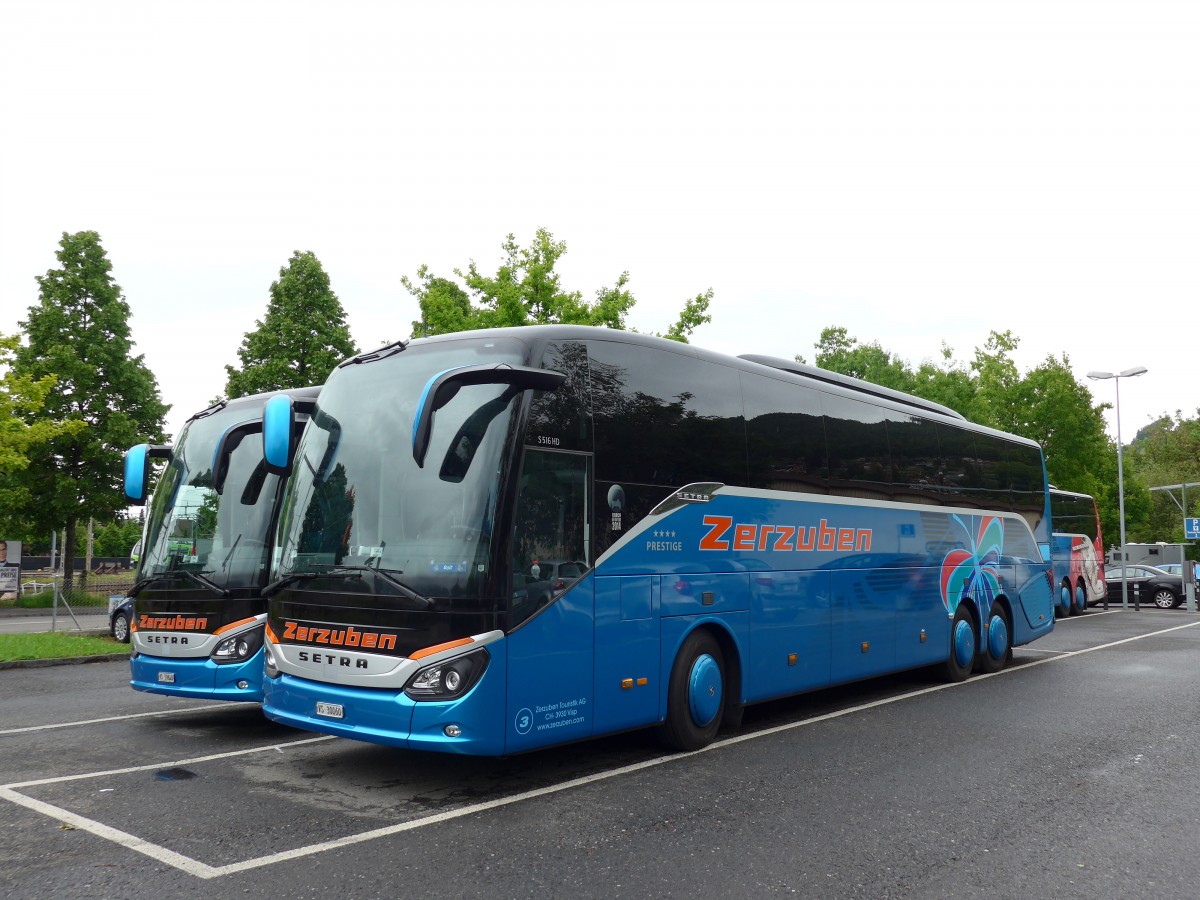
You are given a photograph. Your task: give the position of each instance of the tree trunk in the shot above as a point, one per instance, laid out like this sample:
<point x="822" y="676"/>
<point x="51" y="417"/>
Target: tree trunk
<point x="68" y="553"/>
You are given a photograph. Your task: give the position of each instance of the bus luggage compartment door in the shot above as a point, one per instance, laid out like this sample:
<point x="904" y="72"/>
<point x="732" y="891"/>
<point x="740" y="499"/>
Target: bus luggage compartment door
<point x="627" y="652"/>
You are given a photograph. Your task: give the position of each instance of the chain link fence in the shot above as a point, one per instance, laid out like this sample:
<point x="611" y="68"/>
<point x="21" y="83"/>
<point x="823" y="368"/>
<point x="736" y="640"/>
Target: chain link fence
<point x="83" y="605"/>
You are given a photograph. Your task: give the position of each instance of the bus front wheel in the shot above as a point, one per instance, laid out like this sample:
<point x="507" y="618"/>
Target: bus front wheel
<point x="695" y="694"/>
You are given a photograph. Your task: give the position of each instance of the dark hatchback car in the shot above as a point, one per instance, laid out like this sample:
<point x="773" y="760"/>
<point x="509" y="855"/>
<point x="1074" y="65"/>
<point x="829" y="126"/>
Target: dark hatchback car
<point x="119" y="619"/>
<point x="1148" y="584"/>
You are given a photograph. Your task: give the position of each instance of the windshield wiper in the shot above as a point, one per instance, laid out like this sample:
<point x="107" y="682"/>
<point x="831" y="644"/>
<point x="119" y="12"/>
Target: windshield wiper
<point x="175" y="575"/>
<point x="388" y="575"/>
<point x="351" y="572"/>
<point x="280" y="583"/>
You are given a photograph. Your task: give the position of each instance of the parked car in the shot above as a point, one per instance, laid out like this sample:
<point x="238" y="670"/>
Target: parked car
<point x="551" y="578"/>
<point x="119" y="619"/>
<point x="1176" y="568"/>
<point x="1153" y="585"/>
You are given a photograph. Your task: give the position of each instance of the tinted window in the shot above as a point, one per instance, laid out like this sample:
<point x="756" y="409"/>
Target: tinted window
<point x="956" y="478"/>
<point x="785" y="436"/>
<point x="1028" y="479"/>
<point x="859" y="462"/>
<point x="664" y="417"/>
<point x="992" y="459"/>
<point x="562" y="419"/>
<point x="1073" y="515"/>
<point x="913" y="443"/>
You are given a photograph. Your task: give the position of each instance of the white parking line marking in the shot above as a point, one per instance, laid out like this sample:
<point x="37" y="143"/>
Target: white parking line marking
<point x="177" y="764"/>
<point x="154" y="851"/>
<point x="145" y="715"/>
<point x="203" y="870"/>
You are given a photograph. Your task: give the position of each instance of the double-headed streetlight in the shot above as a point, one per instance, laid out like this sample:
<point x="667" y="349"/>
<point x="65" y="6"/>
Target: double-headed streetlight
<point x="1098" y="376"/>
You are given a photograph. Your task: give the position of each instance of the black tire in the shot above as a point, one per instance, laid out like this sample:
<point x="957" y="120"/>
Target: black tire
<point x="997" y="644"/>
<point x="1081" y="603"/>
<point x="964" y="645"/>
<point x="696" y="695"/>
<point x="1063" y="607"/>
<point x="120" y="628"/>
<point x="1164" y="598"/>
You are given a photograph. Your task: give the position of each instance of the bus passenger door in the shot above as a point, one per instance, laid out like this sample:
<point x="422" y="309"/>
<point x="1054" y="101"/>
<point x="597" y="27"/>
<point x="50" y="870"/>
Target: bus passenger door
<point x="550" y="657"/>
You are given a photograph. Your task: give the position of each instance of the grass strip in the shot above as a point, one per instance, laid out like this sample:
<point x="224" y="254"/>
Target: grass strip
<point x="54" y="645"/>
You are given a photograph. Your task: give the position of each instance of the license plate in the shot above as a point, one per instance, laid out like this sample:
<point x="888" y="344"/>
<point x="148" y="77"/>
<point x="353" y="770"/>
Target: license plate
<point x="166" y="677"/>
<point x="332" y="710"/>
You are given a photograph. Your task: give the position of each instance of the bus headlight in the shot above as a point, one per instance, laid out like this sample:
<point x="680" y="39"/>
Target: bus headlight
<point x="238" y="648"/>
<point x="448" y="679"/>
<point x="272" y="666"/>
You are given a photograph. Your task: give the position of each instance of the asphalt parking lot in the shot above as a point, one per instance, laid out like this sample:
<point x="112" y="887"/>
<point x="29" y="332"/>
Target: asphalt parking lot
<point x="1057" y="777"/>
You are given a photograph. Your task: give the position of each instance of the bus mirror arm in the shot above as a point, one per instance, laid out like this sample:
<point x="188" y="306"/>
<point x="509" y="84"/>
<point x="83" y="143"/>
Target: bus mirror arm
<point x="225" y="446"/>
<point x="441" y="388"/>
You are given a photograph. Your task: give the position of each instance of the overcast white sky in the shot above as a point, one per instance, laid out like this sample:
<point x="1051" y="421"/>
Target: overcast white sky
<point x="918" y="172"/>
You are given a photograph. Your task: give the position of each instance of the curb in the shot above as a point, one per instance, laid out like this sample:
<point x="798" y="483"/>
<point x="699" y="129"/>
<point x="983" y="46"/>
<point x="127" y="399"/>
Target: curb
<point x="64" y="661"/>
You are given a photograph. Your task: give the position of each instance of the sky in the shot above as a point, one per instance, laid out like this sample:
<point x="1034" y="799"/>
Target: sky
<point x="919" y="173"/>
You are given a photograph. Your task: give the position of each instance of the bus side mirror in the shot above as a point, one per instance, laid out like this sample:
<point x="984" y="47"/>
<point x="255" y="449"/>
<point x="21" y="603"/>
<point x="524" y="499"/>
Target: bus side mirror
<point x="137" y="469"/>
<point x="279" y="445"/>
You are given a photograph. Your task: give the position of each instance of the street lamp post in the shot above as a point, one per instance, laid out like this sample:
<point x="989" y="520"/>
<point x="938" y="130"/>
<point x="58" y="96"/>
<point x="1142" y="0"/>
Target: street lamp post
<point x="1117" y="376"/>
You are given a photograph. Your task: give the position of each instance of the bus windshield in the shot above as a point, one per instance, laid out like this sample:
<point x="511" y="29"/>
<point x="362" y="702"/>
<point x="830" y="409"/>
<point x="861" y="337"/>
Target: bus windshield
<point x="191" y="527"/>
<point x="358" y="498"/>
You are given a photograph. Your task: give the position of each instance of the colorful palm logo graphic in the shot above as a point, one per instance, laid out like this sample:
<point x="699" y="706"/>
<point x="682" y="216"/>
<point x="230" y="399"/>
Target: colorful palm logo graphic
<point x="974" y="571"/>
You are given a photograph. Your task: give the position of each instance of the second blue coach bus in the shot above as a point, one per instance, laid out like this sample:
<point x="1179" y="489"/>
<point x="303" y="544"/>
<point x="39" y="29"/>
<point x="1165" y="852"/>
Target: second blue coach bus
<point x="750" y="528"/>
<point x="198" y="609"/>
<point x="1076" y="551"/>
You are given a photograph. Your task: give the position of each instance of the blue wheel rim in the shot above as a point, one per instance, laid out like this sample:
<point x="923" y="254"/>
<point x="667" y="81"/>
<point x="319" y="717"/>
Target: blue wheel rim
<point x="1065" y="599"/>
<point x="1080" y="598"/>
<point x="704" y="690"/>
<point x="964" y="643"/>
<point x="998" y="637"/>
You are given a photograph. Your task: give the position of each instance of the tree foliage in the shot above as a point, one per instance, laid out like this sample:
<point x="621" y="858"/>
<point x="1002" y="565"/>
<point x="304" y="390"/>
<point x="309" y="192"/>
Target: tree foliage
<point x="300" y="340"/>
<point x="78" y="334"/>
<point x="526" y="290"/>
<point x="22" y="397"/>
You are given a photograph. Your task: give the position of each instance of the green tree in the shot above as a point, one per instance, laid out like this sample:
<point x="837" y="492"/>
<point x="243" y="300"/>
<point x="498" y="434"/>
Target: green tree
<point x="526" y="291"/>
<point x="1167" y="452"/>
<point x="79" y="332"/>
<point x="301" y="339"/>
<point x="22" y="397"/>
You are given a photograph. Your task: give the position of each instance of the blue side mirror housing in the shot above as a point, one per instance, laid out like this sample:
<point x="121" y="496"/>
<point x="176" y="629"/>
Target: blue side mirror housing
<point x="137" y="469"/>
<point x="278" y="435"/>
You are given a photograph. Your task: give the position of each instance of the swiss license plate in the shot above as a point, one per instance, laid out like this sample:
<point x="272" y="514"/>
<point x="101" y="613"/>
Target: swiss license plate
<point x="166" y="677"/>
<point x="331" y="710"/>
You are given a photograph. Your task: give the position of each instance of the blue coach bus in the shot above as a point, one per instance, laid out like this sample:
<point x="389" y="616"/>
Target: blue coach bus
<point x="198" y="608"/>
<point x="1076" y="551"/>
<point x="750" y="528"/>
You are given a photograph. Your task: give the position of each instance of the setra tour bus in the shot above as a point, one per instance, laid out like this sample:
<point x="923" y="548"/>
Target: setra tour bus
<point x="1076" y="551"/>
<point x="204" y="556"/>
<point x="749" y="528"/>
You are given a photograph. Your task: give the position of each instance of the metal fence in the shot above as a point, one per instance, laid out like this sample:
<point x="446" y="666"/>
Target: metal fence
<point x="84" y="606"/>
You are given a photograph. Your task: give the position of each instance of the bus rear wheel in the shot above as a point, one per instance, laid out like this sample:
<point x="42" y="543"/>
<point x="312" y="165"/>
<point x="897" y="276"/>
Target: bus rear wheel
<point x="963" y="646"/>
<point x="695" y="694"/>
<point x="1064" y="607"/>
<point x="997" y="644"/>
<point x="1080" y="599"/>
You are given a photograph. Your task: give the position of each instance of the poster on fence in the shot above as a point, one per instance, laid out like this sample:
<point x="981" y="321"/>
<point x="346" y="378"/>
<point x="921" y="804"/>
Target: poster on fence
<point x="10" y="568"/>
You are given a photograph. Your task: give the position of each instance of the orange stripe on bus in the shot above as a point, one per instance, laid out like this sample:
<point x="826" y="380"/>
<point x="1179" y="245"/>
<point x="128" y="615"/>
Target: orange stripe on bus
<point x="437" y="648"/>
<point x="232" y="625"/>
<point x="271" y="636"/>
